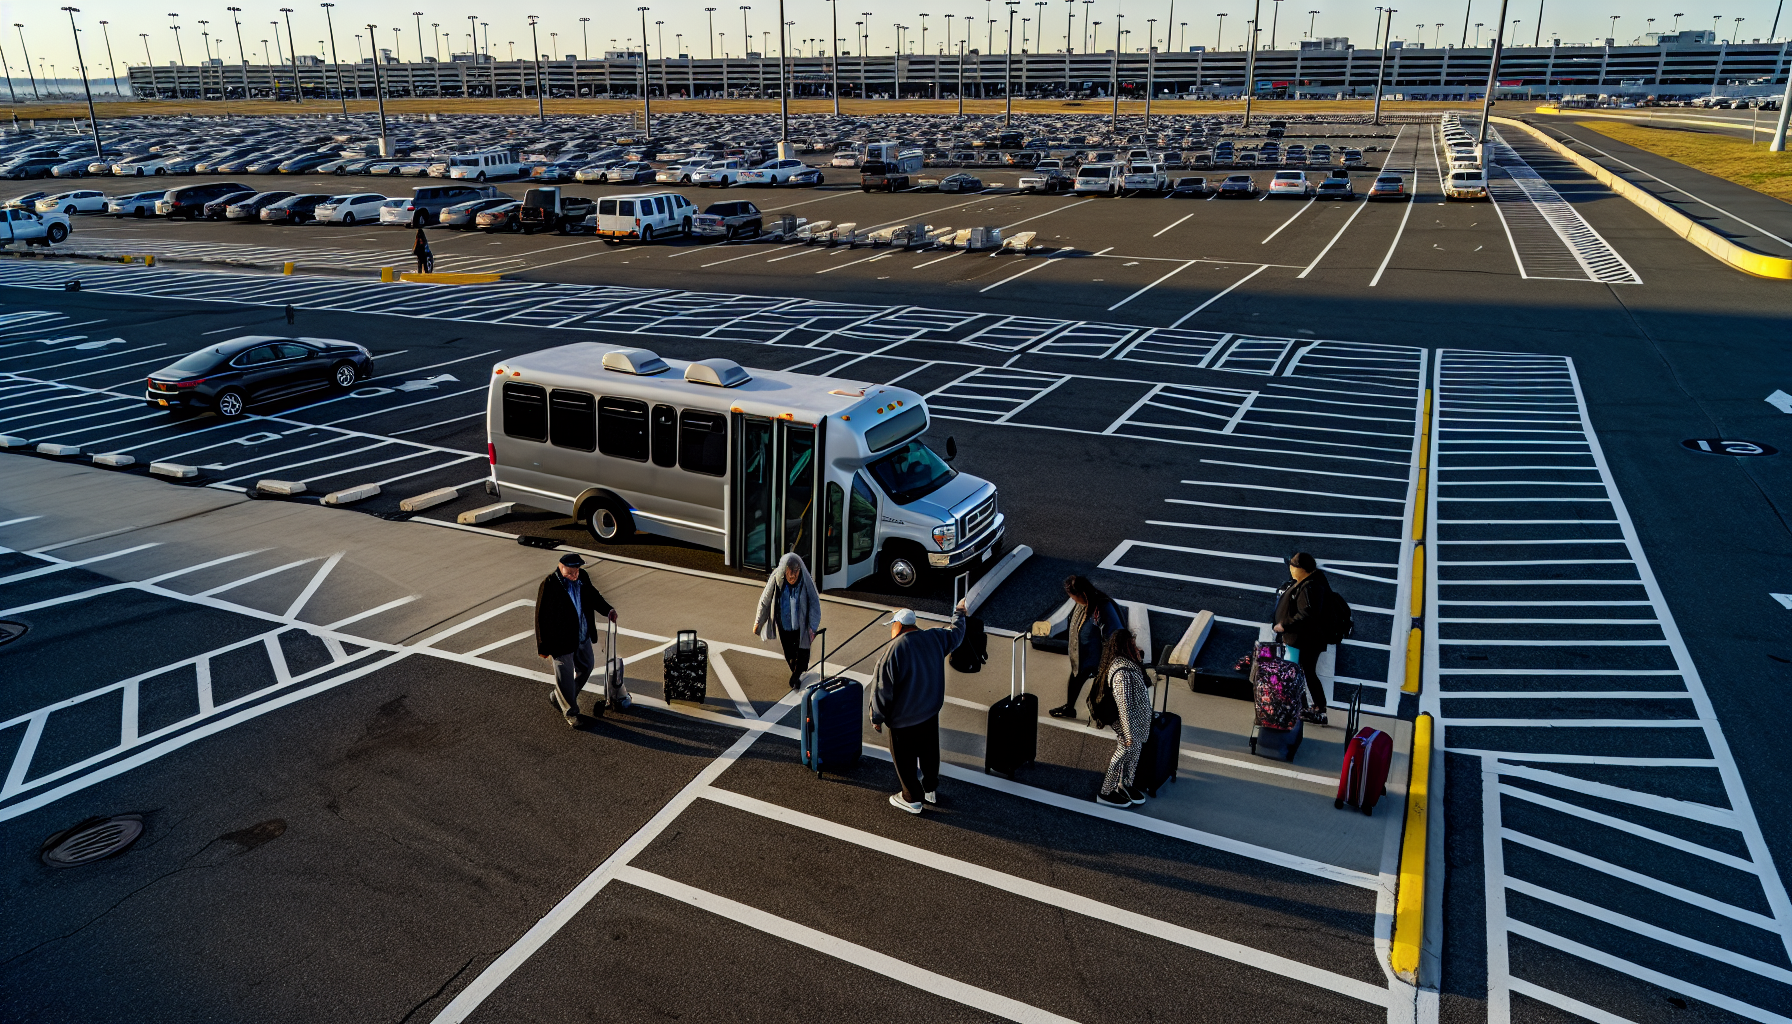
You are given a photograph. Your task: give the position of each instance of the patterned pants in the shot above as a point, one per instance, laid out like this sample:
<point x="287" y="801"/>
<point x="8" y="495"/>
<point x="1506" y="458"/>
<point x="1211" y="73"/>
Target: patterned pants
<point x="1125" y="762"/>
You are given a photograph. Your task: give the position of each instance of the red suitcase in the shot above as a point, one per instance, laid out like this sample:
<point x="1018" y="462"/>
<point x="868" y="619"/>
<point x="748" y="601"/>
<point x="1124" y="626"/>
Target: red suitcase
<point x="1364" y="777"/>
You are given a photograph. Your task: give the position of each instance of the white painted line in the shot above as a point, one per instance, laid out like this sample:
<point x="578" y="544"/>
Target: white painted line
<point x="233" y="584"/>
<point x="1328" y="246"/>
<point x="853" y="953"/>
<point x="942" y="259"/>
<point x="1012" y="277"/>
<point x="1180" y="220"/>
<point x="735" y="692"/>
<point x="59" y="566"/>
<point x="1223" y="293"/>
<point x="750" y="255"/>
<point x="1304" y="207"/>
<point x="1780" y="400"/>
<point x="1401" y="230"/>
<point x="1152" y="285"/>
<point x="317" y="580"/>
<point x="1645" y="974"/>
<point x="1061" y="899"/>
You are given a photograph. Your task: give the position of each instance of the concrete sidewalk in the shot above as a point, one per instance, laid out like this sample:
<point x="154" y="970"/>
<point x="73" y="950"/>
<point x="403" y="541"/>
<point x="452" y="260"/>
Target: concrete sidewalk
<point x="1736" y="212"/>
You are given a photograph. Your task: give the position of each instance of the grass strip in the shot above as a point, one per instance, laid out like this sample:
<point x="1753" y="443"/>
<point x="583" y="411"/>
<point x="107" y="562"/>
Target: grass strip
<point x="1721" y="156"/>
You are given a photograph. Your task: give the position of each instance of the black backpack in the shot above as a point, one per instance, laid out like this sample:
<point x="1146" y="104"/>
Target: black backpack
<point x="973" y="650"/>
<point x="1338" y="623"/>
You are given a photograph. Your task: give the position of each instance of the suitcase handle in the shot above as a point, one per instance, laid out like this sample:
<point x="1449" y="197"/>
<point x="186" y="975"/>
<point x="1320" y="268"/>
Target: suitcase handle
<point x="822" y="635"/>
<point x="1017" y="654"/>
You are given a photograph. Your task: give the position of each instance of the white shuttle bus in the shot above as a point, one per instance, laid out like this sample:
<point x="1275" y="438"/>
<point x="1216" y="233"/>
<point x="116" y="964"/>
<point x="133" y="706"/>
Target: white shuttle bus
<point x="495" y="163"/>
<point x="754" y="463"/>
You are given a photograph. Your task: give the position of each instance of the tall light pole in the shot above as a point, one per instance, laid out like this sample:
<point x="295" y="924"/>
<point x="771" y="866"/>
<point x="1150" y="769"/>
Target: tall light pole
<point x="292" y="50"/>
<point x="1250" y="60"/>
<point x="435" y="37"/>
<point x="1219" y="36"/>
<point x="961" y="78"/>
<point x="541" y="109"/>
<point x="205" y="39"/>
<point x="1008" y="68"/>
<point x="585" y="39"/>
<point x="1150" y="65"/>
<point x="1468" y="12"/>
<point x="154" y="92"/>
<point x="179" y="55"/>
<point x="242" y="58"/>
<point x="1119" y="43"/>
<point x="1275" y="17"/>
<point x="785" y="151"/>
<point x="7" y="68"/>
<point x="1493" y="74"/>
<point x="341" y="93"/>
<point x="1537" y="34"/>
<point x="419" y="16"/>
<point x="1313" y="20"/>
<point x="1381" y="69"/>
<point x="379" y="97"/>
<point x="834" y="45"/>
<point x="646" y="93"/>
<point x="29" y="74"/>
<point x="111" y="66"/>
<point x="93" y="120"/>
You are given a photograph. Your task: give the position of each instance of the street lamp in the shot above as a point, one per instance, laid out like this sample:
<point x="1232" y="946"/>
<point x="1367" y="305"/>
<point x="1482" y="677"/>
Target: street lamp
<point x="111" y="66"/>
<point x="1220" y="36"/>
<point x="379" y="98"/>
<point x="28" y="72"/>
<point x="646" y="97"/>
<point x="154" y="93"/>
<point x="1381" y="68"/>
<point x="179" y="56"/>
<point x="584" y="39"/>
<point x="541" y="109"/>
<point x="1312" y="19"/>
<point x="341" y="93"/>
<point x="292" y="48"/>
<point x="93" y="120"/>
<point x="1008" y="68"/>
<point x="1493" y="75"/>
<point x="1275" y="16"/>
<point x="242" y="58"/>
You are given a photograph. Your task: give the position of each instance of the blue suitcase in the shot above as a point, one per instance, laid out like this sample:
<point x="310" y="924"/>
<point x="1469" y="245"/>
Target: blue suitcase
<point x="832" y="734"/>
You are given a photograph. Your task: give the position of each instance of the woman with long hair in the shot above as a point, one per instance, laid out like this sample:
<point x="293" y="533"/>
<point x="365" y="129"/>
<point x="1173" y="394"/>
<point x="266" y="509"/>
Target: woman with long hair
<point x="790" y="612"/>
<point x="1093" y="619"/>
<point x="1119" y="699"/>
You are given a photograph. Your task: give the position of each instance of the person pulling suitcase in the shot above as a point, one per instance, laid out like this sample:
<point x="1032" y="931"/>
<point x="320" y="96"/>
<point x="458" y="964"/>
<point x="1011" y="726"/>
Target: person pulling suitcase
<point x="566" y="609"/>
<point x="909" y="688"/>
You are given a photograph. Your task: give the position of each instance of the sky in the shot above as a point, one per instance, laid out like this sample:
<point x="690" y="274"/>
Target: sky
<point x="48" y="38"/>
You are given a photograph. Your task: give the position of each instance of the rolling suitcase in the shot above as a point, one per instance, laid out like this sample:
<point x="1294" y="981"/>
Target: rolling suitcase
<point x="615" y="690"/>
<point x="831" y="738"/>
<point x="687" y="668"/>
<point x="1013" y="735"/>
<point x="1163" y="748"/>
<point x="1364" y="778"/>
<point x="1278" y="687"/>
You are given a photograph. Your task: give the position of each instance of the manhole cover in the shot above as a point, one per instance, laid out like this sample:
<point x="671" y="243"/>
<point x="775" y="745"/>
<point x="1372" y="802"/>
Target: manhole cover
<point x="91" y="840"/>
<point x="10" y="631"/>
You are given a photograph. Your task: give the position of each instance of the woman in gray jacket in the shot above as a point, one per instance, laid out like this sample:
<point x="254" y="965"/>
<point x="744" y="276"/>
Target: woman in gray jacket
<point x="790" y="612"/>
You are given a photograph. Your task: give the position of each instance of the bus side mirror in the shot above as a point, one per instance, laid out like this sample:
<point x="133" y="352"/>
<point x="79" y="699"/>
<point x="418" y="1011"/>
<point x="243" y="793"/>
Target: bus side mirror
<point x="951" y="449"/>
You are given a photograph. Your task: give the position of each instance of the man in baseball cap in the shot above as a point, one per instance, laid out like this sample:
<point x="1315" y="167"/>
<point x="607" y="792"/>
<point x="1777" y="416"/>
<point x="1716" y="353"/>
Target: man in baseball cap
<point x="908" y="693"/>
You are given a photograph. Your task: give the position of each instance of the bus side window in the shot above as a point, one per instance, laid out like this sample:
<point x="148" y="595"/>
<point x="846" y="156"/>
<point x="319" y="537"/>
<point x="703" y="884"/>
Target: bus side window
<point x="572" y="419"/>
<point x="833" y="528"/>
<point x="623" y="428"/>
<point x="525" y="411"/>
<point x="665" y="436"/>
<point x="861" y="528"/>
<point x="703" y="443"/>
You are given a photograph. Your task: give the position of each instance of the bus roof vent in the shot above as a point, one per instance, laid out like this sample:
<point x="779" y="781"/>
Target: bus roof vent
<point x="717" y="373"/>
<point x="637" y="361"/>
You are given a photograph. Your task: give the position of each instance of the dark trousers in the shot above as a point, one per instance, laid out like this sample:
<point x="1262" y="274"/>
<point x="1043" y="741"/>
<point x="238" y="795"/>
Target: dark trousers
<point x="795" y="654"/>
<point x="916" y="751"/>
<point x="1308" y="660"/>
<point x="571" y="671"/>
<point x="1074" y="688"/>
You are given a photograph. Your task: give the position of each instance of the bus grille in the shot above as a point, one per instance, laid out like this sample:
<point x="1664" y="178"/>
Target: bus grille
<point x="978" y="519"/>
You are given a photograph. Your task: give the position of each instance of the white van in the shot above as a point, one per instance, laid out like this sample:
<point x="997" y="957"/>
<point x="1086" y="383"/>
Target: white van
<point x="1098" y="178"/>
<point x="495" y="163"/>
<point x="1466" y="183"/>
<point x="754" y="463"/>
<point x="645" y="217"/>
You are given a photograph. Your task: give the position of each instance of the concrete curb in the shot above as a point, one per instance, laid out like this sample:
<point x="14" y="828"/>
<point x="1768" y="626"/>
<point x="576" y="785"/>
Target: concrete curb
<point x="1409" y="901"/>
<point x="114" y="461"/>
<point x="174" y="470"/>
<point x="485" y="514"/>
<point x="429" y="499"/>
<point x="1717" y="246"/>
<point x="350" y="495"/>
<point x="10" y="441"/>
<point x="994" y="579"/>
<point x="63" y="450"/>
<point x="284" y="488"/>
<point x="451" y="278"/>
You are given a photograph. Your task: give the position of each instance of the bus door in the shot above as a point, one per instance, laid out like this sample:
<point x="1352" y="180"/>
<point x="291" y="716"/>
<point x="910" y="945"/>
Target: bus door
<point x="775" y="489"/>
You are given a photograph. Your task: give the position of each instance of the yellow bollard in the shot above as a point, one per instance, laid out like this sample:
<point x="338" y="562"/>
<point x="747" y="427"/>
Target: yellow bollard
<point x="1414" y="651"/>
<point x="149" y="260"/>
<point x="1418" y="510"/>
<point x="288" y="267"/>
<point x="1418" y="582"/>
<point x="386" y="274"/>
<point x="1425" y="432"/>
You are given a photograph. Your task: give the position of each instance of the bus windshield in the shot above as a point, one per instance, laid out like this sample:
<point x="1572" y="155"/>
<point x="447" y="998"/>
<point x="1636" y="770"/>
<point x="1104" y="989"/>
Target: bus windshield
<point x="911" y="472"/>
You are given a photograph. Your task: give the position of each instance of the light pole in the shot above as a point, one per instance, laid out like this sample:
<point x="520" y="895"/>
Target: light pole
<point x="111" y="66"/>
<point x="242" y="58"/>
<point x="541" y="108"/>
<point x="93" y="120"/>
<point x="1219" y="37"/>
<point x="29" y="74"/>
<point x="785" y="150"/>
<point x="834" y="15"/>
<point x="179" y="56"/>
<point x="154" y="93"/>
<point x="292" y="49"/>
<point x="1275" y="16"/>
<point x="1008" y="68"/>
<point x="435" y="37"/>
<point x="659" y="40"/>
<point x="1612" y="32"/>
<point x="1114" y="84"/>
<point x="1493" y="75"/>
<point x="379" y="98"/>
<point x="1381" y="69"/>
<point x="961" y="80"/>
<point x="1150" y="65"/>
<point x="646" y="92"/>
<point x="1313" y="19"/>
<point x="584" y="39"/>
<point x="341" y="93"/>
<point x="1250" y="59"/>
<point x="1467" y="12"/>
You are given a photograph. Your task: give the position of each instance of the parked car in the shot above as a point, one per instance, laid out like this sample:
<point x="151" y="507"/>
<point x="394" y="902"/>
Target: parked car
<point x="1238" y="185"/>
<point x="1191" y="187"/>
<point x="728" y="220"/>
<point x="74" y="168"/>
<point x="772" y="172"/>
<point x="595" y="171"/>
<point x="1466" y="183"/>
<point x="1290" y="183"/>
<point x="214" y="210"/>
<point x="1144" y="176"/>
<point x="28" y="201"/>
<point x="502" y="217"/>
<point x="138" y="204"/>
<point x="678" y="173"/>
<point x="719" y="173"/>
<point x="629" y="173"/>
<point x="393" y="211"/>
<point x="465" y="216"/>
<point x="961" y="182"/>
<point x="230" y="377"/>
<point x="306" y="163"/>
<point x="357" y="208"/>
<point x="1048" y="177"/>
<point x="804" y="177"/>
<point x="34" y="228"/>
<point x="1098" y="179"/>
<point x="189" y="200"/>
<point x="644" y="217"/>
<point x="1336" y="188"/>
<point x="71" y="203"/>
<point x="250" y="208"/>
<point x="295" y="209"/>
<point x="29" y="166"/>
<point x="1388" y="186"/>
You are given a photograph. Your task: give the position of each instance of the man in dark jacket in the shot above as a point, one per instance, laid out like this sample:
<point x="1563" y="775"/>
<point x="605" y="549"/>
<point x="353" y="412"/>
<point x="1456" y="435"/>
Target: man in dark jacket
<point x="907" y="694"/>
<point x="1303" y="619"/>
<point x="566" y="611"/>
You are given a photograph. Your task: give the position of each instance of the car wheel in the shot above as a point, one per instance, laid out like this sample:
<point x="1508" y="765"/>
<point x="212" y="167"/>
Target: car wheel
<point x="344" y="375"/>
<point x="480" y="178"/>
<point x="57" y="233"/>
<point x="139" y="212"/>
<point x="348" y="218"/>
<point x="610" y="523"/>
<point x="68" y="211"/>
<point x="685" y="230"/>
<point x="230" y="403"/>
<point x="417" y="220"/>
<point x="730" y="234"/>
<point x="901" y="569"/>
<point x="647" y="233"/>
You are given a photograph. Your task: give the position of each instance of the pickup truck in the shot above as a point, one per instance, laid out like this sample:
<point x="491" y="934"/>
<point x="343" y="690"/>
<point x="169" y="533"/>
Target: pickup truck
<point x="32" y="228"/>
<point x="547" y="209"/>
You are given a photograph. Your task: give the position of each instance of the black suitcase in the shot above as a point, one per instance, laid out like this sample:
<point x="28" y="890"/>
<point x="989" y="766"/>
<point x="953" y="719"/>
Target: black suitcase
<point x="1013" y="735"/>
<point x="1163" y="749"/>
<point x="973" y="650"/>
<point x="686" y="665"/>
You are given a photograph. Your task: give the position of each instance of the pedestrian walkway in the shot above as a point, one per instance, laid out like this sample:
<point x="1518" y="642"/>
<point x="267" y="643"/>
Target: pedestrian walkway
<point x="310" y="257"/>
<point x="1737" y="212"/>
<point x="1585" y="759"/>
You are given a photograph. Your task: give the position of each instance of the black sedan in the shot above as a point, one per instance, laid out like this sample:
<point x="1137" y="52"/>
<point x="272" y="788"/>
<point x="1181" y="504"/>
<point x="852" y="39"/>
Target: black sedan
<point x="231" y="376"/>
<point x="294" y="209"/>
<point x="250" y="208"/>
<point x="214" y="210"/>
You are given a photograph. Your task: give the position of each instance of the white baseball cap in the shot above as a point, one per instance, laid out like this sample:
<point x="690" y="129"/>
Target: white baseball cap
<point x="905" y="616"/>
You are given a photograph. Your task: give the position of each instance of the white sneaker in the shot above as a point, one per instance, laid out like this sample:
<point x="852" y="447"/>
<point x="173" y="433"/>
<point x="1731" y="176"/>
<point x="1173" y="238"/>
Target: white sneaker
<point x="897" y="802"/>
<point x="931" y="797"/>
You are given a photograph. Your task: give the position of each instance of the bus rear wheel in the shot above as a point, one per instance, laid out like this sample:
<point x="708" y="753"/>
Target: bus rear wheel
<point x="610" y="522"/>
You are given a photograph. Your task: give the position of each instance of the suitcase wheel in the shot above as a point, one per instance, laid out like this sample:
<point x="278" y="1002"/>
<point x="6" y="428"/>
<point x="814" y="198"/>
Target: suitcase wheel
<point x="1369" y="811"/>
<point x="1253" y="744"/>
<point x="1338" y="804"/>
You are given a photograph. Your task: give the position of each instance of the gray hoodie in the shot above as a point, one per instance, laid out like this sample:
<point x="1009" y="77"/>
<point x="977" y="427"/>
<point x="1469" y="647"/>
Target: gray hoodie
<point x="910" y="686"/>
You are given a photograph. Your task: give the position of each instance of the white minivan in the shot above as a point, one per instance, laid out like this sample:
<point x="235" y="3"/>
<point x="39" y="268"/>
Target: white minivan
<point x="644" y="217"/>
<point x="1466" y="183"/>
<point x="496" y="163"/>
<point x="1098" y="178"/>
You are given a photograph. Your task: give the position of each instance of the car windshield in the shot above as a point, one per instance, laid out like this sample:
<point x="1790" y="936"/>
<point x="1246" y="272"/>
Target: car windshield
<point x="199" y="361"/>
<point x="911" y="472"/>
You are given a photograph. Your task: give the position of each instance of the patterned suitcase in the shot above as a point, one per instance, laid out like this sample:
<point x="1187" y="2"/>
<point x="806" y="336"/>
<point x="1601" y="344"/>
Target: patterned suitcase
<point x="1363" y="781"/>
<point x="1013" y="735"/>
<point x="686" y="665"/>
<point x="1279" y="688"/>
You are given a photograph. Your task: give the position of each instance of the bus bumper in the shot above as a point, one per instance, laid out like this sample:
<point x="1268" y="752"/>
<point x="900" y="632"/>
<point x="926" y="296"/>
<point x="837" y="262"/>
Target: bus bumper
<point x="980" y="550"/>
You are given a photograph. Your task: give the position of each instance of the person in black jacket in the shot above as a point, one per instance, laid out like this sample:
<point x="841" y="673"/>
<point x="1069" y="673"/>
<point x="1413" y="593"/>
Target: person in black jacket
<point x="566" y="611"/>
<point x="1303" y="622"/>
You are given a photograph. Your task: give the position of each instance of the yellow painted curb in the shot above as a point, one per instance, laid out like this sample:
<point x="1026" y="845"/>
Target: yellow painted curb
<point x="1418" y="582"/>
<point x="1425" y="432"/>
<point x="1718" y="247"/>
<point x="1418" y="509"/>
<point x="1414" y="650"/>
<point x="451" y="278"/>
<point x="1409" y="902"/>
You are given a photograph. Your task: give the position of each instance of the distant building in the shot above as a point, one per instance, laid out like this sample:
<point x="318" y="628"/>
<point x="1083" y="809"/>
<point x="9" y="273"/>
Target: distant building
<point x="622" y="54"/>
<point x="1327" y="43"/>
<point x="1688" y="37"/>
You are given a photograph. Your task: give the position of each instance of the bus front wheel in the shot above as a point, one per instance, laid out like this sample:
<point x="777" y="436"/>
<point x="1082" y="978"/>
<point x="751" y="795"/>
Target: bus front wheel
<point x="902" y="568"/>
<point x="610" y="522"/>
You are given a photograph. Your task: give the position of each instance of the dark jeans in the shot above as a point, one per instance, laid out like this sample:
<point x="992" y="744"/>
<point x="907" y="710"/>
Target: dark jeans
<point x="571" y="671"/>
<point x="795" y="654"/>
<point x="1308" y="660"/>
<point x="1074" y="688"/>
<point x="916" y="751"/>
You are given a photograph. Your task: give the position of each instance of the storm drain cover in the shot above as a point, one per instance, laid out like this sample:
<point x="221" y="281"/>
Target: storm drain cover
<point x="91" y="840"/>
<point x="10" y="631"/>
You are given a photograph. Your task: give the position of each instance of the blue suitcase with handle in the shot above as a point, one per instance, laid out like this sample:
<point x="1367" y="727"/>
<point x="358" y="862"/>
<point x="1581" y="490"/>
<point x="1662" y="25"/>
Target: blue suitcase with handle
<point x="832" y="734"/>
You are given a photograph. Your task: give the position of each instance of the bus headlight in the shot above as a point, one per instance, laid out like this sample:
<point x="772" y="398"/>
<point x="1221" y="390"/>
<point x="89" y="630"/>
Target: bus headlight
<point x="946" y="536"/>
